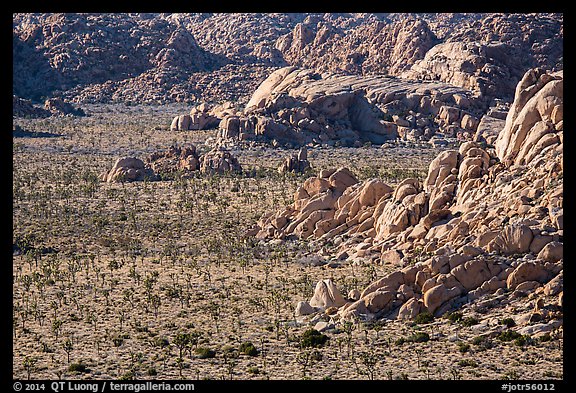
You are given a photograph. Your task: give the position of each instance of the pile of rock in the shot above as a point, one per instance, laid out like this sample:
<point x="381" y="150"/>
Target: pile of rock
<point x="298" y="106"/>
<point x="57" y="107"/>
<point x="52" y="107"/>
<point x="175" y="161"/>
<point x="191" y="57"/>
<point x="182" y="160"/>
<point x="489" y="220"/>
<point x="205" y="57"/>
<point x="25" y="108"/>
<point x="128" y="169"/>
<point x="296" y="163"/>
<point x="219" y="161"/>
<point x="371" y="46"/>
<point x="202" y="117"/>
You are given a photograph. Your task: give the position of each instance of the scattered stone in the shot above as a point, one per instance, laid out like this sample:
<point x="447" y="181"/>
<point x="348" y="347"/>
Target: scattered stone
<point x="326" y="294"/>
<point x="297" y="163"/>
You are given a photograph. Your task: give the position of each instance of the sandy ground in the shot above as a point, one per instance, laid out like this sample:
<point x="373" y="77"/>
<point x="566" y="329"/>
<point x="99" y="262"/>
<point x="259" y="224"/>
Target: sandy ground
<point x="115" y="274"/>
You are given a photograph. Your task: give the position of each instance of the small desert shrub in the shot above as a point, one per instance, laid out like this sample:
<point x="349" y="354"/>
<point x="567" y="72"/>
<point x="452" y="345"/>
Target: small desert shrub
<point x="313" y="338"/>
<point x="508" y="322"/>
<point x="523" y="340"/>
<point x="129" y="376"/>
<point x="161" y="342"/>
<point x="204" y="353"/>
<point x="253" y="370"/>
<point x="508" y="335"/>
<point x="454" y="317"/>
<point x="546" y="337"/>
<point x="78" y="368"/>
<point x="469" y="321"/>
<point x="463" y="347"/>
<point x="478" y="340"/>
<point x="151" y="372"/>
<point x="424" y="317"/>
<point x="418" y="337"/>
<point x="467" y="363"/>
<point x="249" y="349"/>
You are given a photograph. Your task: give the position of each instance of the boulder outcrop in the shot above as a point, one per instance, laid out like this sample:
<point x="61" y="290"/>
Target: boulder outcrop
<point x="174" y="162"/>
<point x="128" y="169"/>
<point x="191" y="57"/>
<point x="487" y="218"/>
<point x="219" y="161"/>
<point x="296" y="106"/>
<point x="296" y="163"/>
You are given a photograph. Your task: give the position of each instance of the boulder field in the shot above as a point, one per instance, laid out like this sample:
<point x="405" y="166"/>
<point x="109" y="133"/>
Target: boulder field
<point x="297" y="107"/>
<point x="485" y="220"/>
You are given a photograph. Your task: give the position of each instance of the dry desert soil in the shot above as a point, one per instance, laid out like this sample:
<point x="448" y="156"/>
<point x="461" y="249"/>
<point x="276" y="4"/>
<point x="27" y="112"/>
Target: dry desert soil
<point x="157" y="280"/>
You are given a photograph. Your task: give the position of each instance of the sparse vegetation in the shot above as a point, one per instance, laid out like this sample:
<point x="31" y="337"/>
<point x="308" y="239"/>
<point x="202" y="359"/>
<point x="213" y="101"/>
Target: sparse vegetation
<point x="105" y="271"/>
<point x="508" y="322"/>
<point x="204" y="353"/>
<point x="418" y="337"/>
<point x="424" y="317"/>
<point x="509" y="335"/>
<point x="312" y="339"/>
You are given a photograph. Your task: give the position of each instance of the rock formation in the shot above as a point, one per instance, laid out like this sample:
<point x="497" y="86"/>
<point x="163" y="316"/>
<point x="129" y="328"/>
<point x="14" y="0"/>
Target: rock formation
<point x="128" y="169"/>
<point x="56" y="106"/>
<point x="298" y="106"/>
<point x="25" y="108"/>
<point x="153" y="58"/>
<point x="296" y="163"/>
<point x="219" y="161"/>
<point x="52" y="107"/>
<point x="175" y="161"/>
<point x="202" y="117"/>
<point x="488" y="219"/>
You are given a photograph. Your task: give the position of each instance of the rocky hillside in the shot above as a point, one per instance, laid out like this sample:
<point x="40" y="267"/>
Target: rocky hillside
<point x="157" y="58"/>
<point x="296" y="106"/>
<point x="485" y="222"/>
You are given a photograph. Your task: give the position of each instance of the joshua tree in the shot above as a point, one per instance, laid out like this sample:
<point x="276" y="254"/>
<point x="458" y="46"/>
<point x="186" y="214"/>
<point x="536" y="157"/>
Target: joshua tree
<point x="369" y="360"/>
<point x="29" y="363"/>
<point x="68" y="347"/>
<point x="56" y="327"/>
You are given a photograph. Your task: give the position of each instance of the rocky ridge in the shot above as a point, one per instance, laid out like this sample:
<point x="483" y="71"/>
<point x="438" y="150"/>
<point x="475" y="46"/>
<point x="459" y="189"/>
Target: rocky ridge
<point x="485" y="221"/>
<point x="299" y="106"/>
<point x="153" y="58"/>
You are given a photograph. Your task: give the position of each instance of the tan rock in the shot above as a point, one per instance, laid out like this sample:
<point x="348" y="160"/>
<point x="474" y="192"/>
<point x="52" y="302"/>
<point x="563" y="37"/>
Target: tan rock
<point x="184" y="122"/>
<point x="372" y="191"/>
<point x="472" y="273"/>
<point x="552" y="252"/>
<point x="378" y="300"/>
<point x="554" y="286"/>
<point x="410" y="309"/>
<point x="393" y="257"/>
<point x="354" y="294"/>
<point x="315" y="185"/>
<point x="326" y="294"/>
<point x="390" y="282"/>
<point x="304" y="308"/>
<point x="514" y="239"/>
<point x="341" y="179"/>
<point x="527" y="271"/>
<point x="438" y="295"/>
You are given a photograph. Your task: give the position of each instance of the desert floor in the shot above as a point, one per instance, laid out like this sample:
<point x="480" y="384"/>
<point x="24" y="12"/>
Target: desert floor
<point x="140" y="280"/>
